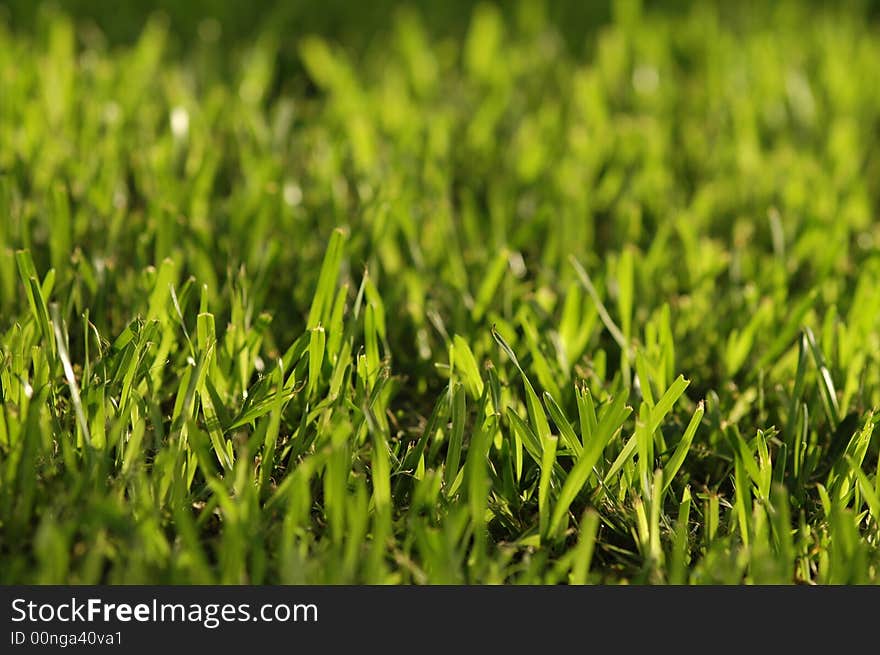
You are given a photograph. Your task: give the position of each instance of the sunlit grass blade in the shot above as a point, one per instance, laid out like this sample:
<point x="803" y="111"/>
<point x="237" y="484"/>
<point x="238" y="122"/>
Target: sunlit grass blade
<point x="681" y="450"/>
<point x="583" y="552"/>
<point x="326" y="287"/>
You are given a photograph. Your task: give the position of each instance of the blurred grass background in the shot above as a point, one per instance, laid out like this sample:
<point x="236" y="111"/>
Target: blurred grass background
<point x="234" y="23"/>
<point x="239" y="21"/>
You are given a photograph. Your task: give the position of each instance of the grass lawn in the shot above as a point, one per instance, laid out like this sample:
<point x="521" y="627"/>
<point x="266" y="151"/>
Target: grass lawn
<point x="504" y="298"/>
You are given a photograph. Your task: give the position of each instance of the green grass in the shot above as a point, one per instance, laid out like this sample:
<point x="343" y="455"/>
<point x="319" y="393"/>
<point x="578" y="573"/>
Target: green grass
<point x="443" y="307"/>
